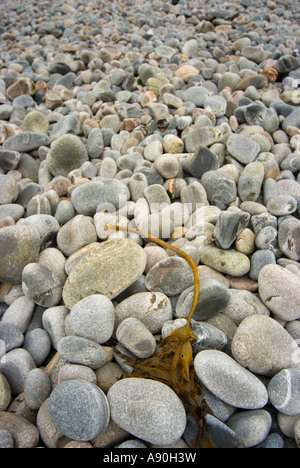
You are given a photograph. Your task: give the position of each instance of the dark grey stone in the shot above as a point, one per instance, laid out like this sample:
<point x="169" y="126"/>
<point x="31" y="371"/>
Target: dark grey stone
<point x="229" y="225"/>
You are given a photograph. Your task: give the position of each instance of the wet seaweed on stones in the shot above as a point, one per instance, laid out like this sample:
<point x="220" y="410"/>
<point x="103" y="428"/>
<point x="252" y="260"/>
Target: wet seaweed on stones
<point x="172" y="363"/>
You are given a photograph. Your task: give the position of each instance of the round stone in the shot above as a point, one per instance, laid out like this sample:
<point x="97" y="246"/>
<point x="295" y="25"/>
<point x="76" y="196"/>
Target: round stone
<point x="37" y="342"/>
<point x="153" y="412"/>
<point x="284" y="391"/>
<point x="93" y="318"/>
<point x="66" y="154"/>
<point x="167" y="165"/>
<point x="35" y="122"/>
<point x="279" y="289"/>
<point x="79" y="409"/>
<point x="282" y="205"/>
<point x="19" y="245"/>
<point x="263" y="346"/>
<point x="106" y="268"/>
<point x="229" y="381"/>
<point x="24" y="433"/>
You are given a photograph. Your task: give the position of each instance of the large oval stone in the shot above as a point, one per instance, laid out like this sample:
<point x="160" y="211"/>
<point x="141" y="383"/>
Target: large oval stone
<point x="148" y="410"/>
<point x="107" y="268"/>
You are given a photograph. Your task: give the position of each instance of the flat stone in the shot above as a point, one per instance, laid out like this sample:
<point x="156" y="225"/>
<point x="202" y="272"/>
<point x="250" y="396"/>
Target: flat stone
<point x="79" y="409"/>
<point x="229" y="225"/>
<point x="106" y="268"/>
<point x="279" y="290"/>
<point x="220" y="188"/>
<point x="153" y="412"/>
<point x="263" y="346"/>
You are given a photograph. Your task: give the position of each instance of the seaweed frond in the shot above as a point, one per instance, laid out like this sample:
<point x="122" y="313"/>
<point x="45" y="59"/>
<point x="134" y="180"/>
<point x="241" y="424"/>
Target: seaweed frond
<point x="172" y="363"/>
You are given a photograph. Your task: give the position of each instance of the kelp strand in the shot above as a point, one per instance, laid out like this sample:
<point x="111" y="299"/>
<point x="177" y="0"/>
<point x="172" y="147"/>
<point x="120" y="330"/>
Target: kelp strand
<point x="172" y="363"/>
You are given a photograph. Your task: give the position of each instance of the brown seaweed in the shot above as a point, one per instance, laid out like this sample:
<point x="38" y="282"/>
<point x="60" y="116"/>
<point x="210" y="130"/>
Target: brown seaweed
<point x="172" y="363"/>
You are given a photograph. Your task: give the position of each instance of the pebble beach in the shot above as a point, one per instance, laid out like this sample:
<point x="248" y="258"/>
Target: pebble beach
<point x="181" y="119"/>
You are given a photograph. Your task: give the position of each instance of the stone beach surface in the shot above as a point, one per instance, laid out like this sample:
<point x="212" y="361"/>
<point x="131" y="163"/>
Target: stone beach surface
<point x="181" y="119"/>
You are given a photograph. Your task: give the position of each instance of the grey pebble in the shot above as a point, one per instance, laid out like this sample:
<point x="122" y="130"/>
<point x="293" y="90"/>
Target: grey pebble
<point x="41" y="285"/>
<point x="15" y="366"/>
<point x="144" y="395"/>
<point x="229" y="225"/>
<point x="10" y="335"/>
<point x="79" y="350"/>
<point x="214" y="368"/>
<point x="251" y="426"/>
<point x="37" y="388"/>
<point x="53" y="321"/>
<point x="99" y="195"/>
<point x="93" y="317"/>
<point x="79" y="409"/>
<point x="135" y="336"/>
<point x="151" y="308"/>
<point x="283" y="390"/>
<point x="38" y="343"/>
<point x="19" y="313"/>
<point x="214" y="297"/>
<point x="6" y="439"/>
<point x="242" y="148"/>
